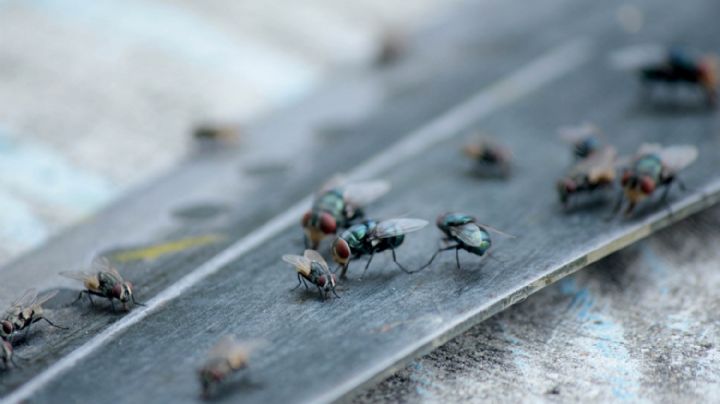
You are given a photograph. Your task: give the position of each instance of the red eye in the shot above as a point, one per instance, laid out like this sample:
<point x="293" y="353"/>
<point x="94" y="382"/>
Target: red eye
<point x="570" y="185"/>
<point x="7" y="327"/>
<point x="440" y="220"/>
<point x="327" y="223"/>
<point x="625" y="178"/>
<point x="117" y="291"/>
<point x="341" y="249"/>
<point x="321" y="280"/>
<point x="306" y="219"/>
<point x="647" y="184"/>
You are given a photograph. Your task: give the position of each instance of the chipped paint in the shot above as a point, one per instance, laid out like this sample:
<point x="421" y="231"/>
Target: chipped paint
<point x="158" y="250"/>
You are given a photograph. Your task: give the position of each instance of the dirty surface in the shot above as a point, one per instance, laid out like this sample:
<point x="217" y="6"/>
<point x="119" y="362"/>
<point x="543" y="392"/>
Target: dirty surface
<point x="639" y="326"/>
<point x="323" y="350"/>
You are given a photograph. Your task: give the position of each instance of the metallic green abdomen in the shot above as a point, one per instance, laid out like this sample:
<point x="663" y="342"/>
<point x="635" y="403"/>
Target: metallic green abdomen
<point x="650" y="166"/>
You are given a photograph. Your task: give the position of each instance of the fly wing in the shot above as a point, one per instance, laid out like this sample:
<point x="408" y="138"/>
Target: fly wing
<point x="675" y="158"/>
<point x="468" y="233"/>
<point x="77" y="275"/>
<point x="101" y="264"/>
<point x="27" y="299"/>
<point x="598" y="164"/>
<point x="397" y="227"/>
<point x="300" y="263"/>
<point x="313" y="255"/>
<point x="233" y="350"/>
<point x="649" y="148"/>
<point x="363" y="193"/>
<point x="45" y="297"/>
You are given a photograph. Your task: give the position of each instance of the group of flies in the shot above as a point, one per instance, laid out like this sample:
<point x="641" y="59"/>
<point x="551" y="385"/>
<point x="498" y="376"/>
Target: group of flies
<point x="338" y="212"/>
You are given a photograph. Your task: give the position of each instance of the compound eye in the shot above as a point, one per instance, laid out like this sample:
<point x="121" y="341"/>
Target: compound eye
<point x="570" y="185"/>
<point x="440" y="221"/>
<point x="625" y="178"/>
<point x="321" y="280"/>
<point x="327" y="223"/>
<point x="306" y="219"/>
<point x="341" y="249"/>
<point x="647" y="185"/>
<point x="117" y="291"/>
<point x="7" y="327"/>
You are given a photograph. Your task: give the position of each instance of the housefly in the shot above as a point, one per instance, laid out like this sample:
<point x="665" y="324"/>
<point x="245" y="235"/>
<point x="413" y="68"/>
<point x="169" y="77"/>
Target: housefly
<point x="585" y="139"/>
<point x="104" y="281"/>
<point x="311" y="267"/>
<point x="225" y="358"/>
<point x="24" y="312"/>
<point x="679" y="67"/>
<point x="654" y="166"/>
<point x="462" y="232"/>
<point x="337" y="207"/>
<point x="490" y="158"/>
<point x="371" y="237"/>
<point x="588" y="175"/>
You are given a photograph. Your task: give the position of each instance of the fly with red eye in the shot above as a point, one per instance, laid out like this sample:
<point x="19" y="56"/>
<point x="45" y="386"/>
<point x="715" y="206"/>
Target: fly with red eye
<point x="338" y="206"/>
<point x="24" y="312"/>
<point x="589" y="175"/>
<point x="653" y="167"/>
<point x="311" y="267"/>
<point x="105" y="281"/>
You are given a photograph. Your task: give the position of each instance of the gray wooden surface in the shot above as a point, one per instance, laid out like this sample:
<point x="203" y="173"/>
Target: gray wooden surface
<point x="323" y="351"/>
<point x="640" y="325"/>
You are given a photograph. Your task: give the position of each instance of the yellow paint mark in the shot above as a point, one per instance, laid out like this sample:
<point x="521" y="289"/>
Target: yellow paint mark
<point x="158" y="250"/>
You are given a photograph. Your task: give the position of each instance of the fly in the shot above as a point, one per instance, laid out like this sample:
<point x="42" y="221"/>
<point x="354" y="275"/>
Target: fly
<point x="591" y="174"/>
<point x="371" y="237"/>
<point x="24" y="312"/>
<point x="104" y="281"/>
<point x="312" y="267"/>
<point x="225" y="358"/>
<point x="491" y="159"/>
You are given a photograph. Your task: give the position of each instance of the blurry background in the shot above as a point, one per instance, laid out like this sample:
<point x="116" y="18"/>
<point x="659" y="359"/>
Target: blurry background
<point x="98" y="96"/>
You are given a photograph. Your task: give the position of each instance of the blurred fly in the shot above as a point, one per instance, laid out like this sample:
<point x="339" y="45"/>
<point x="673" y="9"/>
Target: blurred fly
<point x="585" y="139"/>
<point x="24" y="312"/>
<point x="225" y="358"/>
<point x="679" y="67"/>
<point x="654" y="166"/>
<point x="490" y="158"/>
<point x="312" y="267"/>
<point x="462" y="232"/>
<point x="104" y="281"/>
<point x="589" y="175"/>
<point x="337" y="207"/>
<point x="371" y="237"/>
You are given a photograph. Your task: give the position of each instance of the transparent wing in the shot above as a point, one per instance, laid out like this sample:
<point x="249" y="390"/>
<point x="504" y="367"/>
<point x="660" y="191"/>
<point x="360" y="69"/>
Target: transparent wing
<point x="574" y="134"/>
<point x="396" y="227"/>
<point x="300" y="263"/>
<point x="598" y="164"/>
<point x="77" y="275"/>
<point x="27" y="299"/>
<point x="101" y="264"/>
<point x="675" y="158"/>
<point x="649" y="148"/>
<point x="45" y="297"/>
<point x="363" y="193"/>
<point x="313" y="255"/>
<point x="468" y="233"/>
<point x="495" y="230"/>
<point x="112" y="270"/>
<point x="230" y="348"/>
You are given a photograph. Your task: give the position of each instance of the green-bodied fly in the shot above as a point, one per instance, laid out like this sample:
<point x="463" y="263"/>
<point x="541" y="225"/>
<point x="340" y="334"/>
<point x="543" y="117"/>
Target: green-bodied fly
<point x="463" y="232"/>
<point x="371" y="237"/>
<point x="337" y="207"/>
<point x="654" y="166"/>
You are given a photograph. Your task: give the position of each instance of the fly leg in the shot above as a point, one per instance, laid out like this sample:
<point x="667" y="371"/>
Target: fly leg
<point x="345" y="267"/>
<point x="402" y="268"/>
<point x="322" y="293"/>
<point x="299" y="283"/>
<point x="454" y="246"/>
<point x="367" y="265"/>
<point x="457" y="257"/>
<point x="53" y="324"/>
<point x="135" y="302"/>
<point x="112" y="303"/>
<point x="616" y="208"/>
<point x="334" y="292"/>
